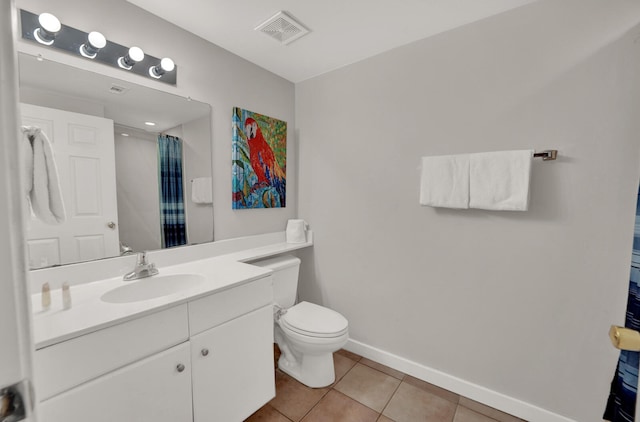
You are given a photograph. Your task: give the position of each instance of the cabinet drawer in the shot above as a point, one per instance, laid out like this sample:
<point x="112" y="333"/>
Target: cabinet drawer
<point x="64" y="365"/>
<point x="213" y="310"/>
<point x="151" y="390"/>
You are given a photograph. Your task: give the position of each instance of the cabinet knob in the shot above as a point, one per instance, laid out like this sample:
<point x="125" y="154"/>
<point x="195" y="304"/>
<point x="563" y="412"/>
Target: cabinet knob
<point x="180" y="367"/>
<point x="204" y="352"/>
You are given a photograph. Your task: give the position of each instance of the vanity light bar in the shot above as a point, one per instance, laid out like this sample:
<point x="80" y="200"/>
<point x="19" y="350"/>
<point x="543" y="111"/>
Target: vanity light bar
<point x="94" y="46"/>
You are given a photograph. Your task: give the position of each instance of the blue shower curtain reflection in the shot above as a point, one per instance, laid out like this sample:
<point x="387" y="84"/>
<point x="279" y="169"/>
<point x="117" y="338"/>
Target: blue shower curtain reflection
<point x="172" y="217"/>
<point x="624" y="387"/>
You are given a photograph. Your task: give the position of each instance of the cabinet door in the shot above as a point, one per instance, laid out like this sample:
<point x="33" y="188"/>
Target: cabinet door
<point x="233" y="374"/>
<point x="154" y="389"/>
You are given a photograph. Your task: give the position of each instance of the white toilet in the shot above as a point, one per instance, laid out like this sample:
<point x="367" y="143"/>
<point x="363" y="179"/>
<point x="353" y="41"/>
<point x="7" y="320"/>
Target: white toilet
<point x="307" y="334"/>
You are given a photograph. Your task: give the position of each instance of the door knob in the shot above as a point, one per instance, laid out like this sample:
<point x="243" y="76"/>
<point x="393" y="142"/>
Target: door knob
<point x="204" y="352"/>
<point x="180" y="367"/>
<point x="11" y="405"/>
<point x="111" y="225"/>
<point x="625" y="338"/>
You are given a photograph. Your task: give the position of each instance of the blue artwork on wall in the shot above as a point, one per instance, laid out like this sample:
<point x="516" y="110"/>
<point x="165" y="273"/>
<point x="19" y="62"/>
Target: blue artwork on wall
<point x="259" y="160"/>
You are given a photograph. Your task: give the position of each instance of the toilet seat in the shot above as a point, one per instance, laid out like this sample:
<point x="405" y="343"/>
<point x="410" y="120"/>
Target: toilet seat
<point x="313" y="320"/>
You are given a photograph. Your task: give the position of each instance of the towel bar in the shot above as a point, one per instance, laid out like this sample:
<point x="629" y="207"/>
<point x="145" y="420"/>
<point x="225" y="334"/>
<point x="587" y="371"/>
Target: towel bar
<point x="550" y="154"/>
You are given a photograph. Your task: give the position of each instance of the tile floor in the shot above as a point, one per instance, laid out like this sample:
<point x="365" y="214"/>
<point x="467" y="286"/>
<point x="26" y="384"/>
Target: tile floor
<point x="366" y="391"/>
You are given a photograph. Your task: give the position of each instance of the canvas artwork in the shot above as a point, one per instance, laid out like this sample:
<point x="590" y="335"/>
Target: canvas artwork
<point x="259" y="154"/>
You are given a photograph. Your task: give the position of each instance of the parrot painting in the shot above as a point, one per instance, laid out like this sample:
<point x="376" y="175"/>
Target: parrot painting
<point x="259" y="160"/>
<point x="263" y="160"/>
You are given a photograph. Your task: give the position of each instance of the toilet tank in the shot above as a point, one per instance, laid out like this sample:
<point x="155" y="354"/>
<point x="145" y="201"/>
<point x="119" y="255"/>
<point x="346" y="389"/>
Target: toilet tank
<point x="285" y="278"/>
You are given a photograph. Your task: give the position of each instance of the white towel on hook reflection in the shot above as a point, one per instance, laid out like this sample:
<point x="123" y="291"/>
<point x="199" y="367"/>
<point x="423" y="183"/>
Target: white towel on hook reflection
<point x="201" y="192"/>
<point x="41" y="176"/>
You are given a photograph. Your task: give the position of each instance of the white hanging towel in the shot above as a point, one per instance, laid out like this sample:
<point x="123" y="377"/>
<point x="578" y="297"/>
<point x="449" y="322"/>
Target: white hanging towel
<point x="41" y="176"/>
<point x="201" y="190"/>
<point x="444" y="181"/>
<point x="500" y="180"/>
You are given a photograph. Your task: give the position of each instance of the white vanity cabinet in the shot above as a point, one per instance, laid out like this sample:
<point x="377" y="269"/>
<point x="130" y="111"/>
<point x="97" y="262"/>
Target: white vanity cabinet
<point x="210" y="359"/>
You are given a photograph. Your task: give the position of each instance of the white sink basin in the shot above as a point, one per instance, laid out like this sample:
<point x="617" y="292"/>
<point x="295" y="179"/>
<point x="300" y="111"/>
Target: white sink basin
<point x="152" y="288"/>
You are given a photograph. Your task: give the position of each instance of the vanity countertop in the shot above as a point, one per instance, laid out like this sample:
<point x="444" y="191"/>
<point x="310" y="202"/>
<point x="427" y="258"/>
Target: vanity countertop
<point x="89" y="313"/>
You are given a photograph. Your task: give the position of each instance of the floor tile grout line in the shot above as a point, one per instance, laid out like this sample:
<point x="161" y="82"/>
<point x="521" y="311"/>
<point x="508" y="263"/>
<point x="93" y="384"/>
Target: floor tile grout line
<point x="359" y="402"/>
<point x="377" y="370"/>
<point x="455" y="412"/>
<point x="363" y="404"/>
<point x="479" y="413"/>
<point x="330" y="387"/>
<point x="317" y="403"/>
<point x="283" y="415"/>
<point x="392" y="376"/>
<point x="391" y="397"/>
<point x="335" y="382"/>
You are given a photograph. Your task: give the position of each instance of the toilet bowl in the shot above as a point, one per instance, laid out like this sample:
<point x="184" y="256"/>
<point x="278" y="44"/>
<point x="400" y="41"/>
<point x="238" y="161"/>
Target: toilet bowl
<point x="307" y="334"/>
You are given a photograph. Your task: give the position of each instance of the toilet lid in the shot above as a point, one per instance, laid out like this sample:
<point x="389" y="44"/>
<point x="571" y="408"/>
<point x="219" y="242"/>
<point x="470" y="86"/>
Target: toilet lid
<point x="314" y="320"/>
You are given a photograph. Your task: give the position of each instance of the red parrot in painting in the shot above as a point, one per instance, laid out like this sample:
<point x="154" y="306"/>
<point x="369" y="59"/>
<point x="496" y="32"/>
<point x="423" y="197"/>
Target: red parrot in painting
<point x="262" y="159"/>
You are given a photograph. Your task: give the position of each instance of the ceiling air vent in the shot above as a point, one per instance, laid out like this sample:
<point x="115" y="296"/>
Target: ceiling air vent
<point x="117" y="89"/>
<point x="282" y="28"/>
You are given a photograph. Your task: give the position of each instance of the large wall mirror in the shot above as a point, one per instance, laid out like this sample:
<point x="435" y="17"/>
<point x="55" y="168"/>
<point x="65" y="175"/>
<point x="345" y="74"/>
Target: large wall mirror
<point x="107" y="154"/>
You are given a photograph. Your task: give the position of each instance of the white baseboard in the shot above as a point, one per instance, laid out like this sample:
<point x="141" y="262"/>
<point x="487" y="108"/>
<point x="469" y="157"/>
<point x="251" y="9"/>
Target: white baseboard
<point x="459" y="386"/>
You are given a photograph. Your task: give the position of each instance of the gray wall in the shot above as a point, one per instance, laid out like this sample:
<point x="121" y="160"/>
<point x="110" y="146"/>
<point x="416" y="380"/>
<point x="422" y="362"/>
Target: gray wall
<point x="517" y="302"/>
<point x="137" y="189"/>
<point x="206" y="73"/>
<point x="199" y="221"/>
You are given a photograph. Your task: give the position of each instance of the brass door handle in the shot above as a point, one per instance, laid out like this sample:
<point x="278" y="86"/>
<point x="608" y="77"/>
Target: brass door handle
<point x="625" y="338"/>
<point x="12" y="407"/>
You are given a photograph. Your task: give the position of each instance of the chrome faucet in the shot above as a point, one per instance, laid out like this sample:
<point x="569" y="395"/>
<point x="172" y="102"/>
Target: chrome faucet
<point x="143" y="268"/>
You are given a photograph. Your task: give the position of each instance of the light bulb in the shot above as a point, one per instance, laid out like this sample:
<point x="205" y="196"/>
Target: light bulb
<point x="49" y="27"/>
<point x="166" y="65"/>
<point x="95" y="41"/>
<point x="49" y="22"/>
<point x="133" y="56"/>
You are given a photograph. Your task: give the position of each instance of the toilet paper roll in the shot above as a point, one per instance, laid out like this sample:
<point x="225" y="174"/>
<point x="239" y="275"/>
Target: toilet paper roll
<point x="296" y="231"/>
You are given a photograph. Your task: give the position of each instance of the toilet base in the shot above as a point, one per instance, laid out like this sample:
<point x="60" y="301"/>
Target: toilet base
<point x="308" y="359"/>
<point x="315" y="371"/>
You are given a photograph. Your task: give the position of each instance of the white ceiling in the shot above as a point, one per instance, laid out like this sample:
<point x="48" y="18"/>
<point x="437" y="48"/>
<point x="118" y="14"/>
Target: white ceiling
<point x="342" y="31"/>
